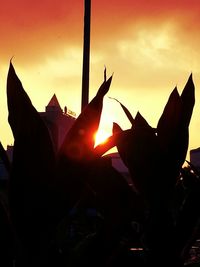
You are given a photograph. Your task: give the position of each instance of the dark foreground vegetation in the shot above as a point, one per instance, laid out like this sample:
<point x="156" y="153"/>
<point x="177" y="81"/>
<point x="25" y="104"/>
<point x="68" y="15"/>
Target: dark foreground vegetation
<point x="72" y="208"/>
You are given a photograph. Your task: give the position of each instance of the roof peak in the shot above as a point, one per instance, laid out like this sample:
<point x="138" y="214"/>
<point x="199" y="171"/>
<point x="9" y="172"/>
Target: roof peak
<point x="54" y="102"/>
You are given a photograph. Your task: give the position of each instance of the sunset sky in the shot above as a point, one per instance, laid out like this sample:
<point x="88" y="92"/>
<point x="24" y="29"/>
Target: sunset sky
<point x="150" y="46"/>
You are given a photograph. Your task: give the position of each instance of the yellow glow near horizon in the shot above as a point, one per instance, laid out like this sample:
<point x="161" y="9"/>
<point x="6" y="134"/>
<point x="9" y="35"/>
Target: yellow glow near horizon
<point x="149" y="50"/>
<point x="101" y="136"/>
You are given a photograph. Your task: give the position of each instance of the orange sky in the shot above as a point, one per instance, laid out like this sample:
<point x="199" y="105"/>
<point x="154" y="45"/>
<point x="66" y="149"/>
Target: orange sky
<point x="151" y="46"/>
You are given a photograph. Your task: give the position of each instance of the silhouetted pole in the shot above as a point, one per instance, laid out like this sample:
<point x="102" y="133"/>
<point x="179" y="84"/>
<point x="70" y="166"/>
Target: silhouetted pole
<point x="86" y="54"/>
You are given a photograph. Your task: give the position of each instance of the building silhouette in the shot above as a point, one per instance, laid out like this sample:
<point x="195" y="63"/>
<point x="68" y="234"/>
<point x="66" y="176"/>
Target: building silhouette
<point x="195" y="157"/>
<point x="58" y="121"/>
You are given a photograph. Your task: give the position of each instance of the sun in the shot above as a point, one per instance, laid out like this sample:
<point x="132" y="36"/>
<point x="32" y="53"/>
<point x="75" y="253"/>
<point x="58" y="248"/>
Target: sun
<point x="100" y="137"/>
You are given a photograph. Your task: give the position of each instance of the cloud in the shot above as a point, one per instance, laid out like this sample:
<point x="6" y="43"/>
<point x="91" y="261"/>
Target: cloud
<point x="149" y="45"/>
<point x="37" y="29"/>
<point x="150" y="57"/>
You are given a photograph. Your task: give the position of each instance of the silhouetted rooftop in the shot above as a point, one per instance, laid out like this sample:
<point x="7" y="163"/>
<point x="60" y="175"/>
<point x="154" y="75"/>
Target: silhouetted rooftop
<point x="196" y="150"/>
<point x="54" y="102"/>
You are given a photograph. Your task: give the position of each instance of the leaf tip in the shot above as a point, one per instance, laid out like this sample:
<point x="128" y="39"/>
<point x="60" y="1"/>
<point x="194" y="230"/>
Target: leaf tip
<point x="105" y="74"/>
<point x="11" y="67"/>
<point x="116" y="128"/>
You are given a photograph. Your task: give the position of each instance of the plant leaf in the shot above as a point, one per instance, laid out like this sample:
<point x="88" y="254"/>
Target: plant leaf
<point x="127" y="112"/>
<point x="188" y="100"/>
<point x="141" y="122"/>
<point x="79" y="141"/>
<point x="109" y="143"/>
<point x="32" y="187"/>
<point x="116" y="128"/>
<point x="173" y="125"/>
<point x="169" y="120"/>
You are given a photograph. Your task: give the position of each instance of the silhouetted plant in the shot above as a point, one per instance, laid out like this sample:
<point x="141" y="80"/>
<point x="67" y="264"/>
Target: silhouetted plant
<point x="72" y="208"/>
<point x="154" y="158"/>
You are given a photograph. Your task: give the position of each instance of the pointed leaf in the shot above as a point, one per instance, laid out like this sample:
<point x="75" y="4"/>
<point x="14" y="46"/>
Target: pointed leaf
<point x="104" y="88"/>
<point x="105" y="76"/>
<point x="173" y="125"/>
<point x="170" y="119"/>
<point x="140" y="122"/>
<point x="32" y="196"/>
<point x="169" y="122"/>
<point x="188" y="99"/>
<point x="127" y="112"/>
<point x="173" y="139"/>
<point x="180" y="145"/>
<point x="139" y="150"/>
<point x="143" y="157"/>
<point x="79" y="141"/>
<point x="116" y="128"/>
<point x="17" y="99"/>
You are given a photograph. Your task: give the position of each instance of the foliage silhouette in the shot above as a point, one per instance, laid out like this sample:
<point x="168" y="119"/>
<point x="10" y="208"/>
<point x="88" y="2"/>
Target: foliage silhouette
<point x="72" y="208"/>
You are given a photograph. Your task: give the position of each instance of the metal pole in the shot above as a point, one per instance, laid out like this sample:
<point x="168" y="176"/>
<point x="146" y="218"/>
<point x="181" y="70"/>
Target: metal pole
<point x="86" y="54"/>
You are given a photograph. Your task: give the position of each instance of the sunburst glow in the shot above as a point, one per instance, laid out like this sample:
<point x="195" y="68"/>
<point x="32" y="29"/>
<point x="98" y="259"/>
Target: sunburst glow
<point x="100" y="137"/>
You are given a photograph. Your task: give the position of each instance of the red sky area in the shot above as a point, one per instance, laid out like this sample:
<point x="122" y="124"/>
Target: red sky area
<point x="48" y="25"/>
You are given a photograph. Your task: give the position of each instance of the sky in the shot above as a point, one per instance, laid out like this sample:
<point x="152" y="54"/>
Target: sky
<point x="150" y="46"/>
